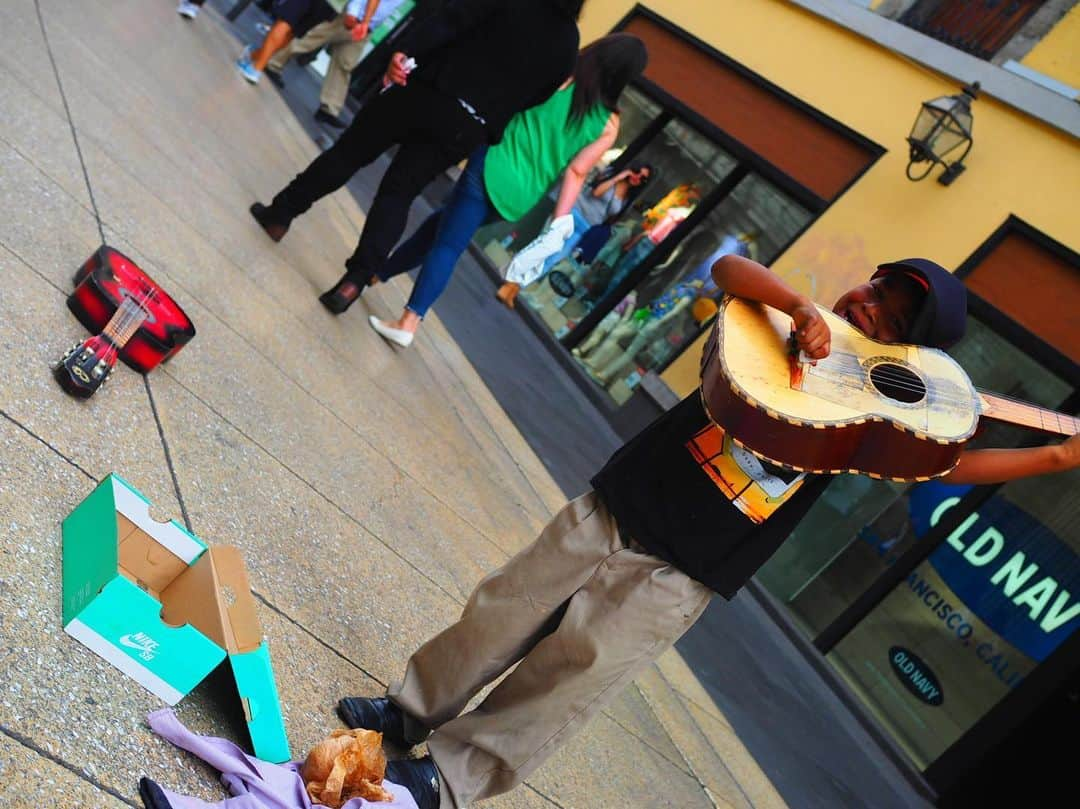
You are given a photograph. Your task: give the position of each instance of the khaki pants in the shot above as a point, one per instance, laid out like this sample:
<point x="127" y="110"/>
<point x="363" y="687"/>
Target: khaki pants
<point x="345" y="53"/>
<point x="582" y="613"/>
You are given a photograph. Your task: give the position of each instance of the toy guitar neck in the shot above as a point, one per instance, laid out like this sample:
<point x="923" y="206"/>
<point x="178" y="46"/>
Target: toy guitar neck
<point x="86" y="366"/>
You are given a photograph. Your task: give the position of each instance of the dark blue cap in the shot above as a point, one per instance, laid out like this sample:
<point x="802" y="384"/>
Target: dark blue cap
<point x="943" y="317"/>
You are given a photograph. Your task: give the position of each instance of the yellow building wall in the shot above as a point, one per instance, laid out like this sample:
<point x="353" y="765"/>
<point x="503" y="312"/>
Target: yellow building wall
<point x="1058" y="53"/>
<point x="1017" y="166"/>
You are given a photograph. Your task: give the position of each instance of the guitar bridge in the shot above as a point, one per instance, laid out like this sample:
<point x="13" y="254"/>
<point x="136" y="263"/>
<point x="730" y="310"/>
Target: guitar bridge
<point x="797" y="363"/>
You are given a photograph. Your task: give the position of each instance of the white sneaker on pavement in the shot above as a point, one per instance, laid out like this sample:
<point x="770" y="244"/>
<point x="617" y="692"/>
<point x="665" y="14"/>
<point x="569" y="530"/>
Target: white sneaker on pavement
<point x="187" y="10"/>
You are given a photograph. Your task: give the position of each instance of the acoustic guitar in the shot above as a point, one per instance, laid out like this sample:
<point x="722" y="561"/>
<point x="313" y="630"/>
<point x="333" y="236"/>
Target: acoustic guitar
<point x="893" y="411"/>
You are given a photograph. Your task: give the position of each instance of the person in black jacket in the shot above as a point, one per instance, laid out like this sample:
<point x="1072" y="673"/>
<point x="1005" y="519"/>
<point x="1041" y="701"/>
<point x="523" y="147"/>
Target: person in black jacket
<point x="478" y="62"/>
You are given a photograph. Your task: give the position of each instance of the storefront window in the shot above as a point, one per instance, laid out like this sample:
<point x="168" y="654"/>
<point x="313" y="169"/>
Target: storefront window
<point x="975" y="618"/>
<point x="968" y="623"/>
<point x="672" y="304"/>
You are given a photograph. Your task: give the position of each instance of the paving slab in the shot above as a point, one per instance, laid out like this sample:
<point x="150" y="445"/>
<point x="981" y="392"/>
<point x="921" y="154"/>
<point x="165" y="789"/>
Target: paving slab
<point x="308" y="557"/>
<point x="30" y="779"/>
<point x="37" y="131"/>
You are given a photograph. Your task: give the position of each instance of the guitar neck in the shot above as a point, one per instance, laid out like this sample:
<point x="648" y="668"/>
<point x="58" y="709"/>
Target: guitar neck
<point x="127" y="318"/>
<point x="1002" y="408"/>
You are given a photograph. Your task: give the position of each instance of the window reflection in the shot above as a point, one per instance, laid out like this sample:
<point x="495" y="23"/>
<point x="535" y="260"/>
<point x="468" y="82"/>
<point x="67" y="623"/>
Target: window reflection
<point x="673" y="303"/>
<point x="501" y="240"/>
<point x="684" y="167"/>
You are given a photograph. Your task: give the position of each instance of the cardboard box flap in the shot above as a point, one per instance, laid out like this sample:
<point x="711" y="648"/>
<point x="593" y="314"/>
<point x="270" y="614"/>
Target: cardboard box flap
<point x="136" y="508"/>
<point x="214" y="596"/>
<point x="145" y="561"/>
<point x="254" y="677"/>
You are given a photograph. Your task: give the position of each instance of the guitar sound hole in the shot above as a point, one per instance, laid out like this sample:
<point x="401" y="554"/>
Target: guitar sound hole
<point x="897" y="382"/>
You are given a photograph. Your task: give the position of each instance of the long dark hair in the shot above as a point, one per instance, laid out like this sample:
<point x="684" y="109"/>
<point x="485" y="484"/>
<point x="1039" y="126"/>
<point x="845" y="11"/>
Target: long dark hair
<point x="603" y="70"/>
<point x="572" y="8"/>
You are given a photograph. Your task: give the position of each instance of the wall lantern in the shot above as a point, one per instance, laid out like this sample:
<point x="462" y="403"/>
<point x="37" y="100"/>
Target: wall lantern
<point x="942" y="126"/>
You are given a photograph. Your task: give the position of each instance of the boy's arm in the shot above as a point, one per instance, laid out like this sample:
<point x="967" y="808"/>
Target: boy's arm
<point x="999" y="465"/>
<point x="745" y="278"/>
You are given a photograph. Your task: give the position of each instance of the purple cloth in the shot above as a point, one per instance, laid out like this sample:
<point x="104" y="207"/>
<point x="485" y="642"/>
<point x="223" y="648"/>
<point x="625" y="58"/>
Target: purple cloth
<point x="255" y="784"/>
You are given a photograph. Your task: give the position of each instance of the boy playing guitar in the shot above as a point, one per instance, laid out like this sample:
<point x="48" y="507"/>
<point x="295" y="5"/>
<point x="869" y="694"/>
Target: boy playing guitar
<point x="623" y="571"/>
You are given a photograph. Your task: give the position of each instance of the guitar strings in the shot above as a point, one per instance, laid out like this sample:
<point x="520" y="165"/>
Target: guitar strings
<point x="130" y="316"/>
<point x="903" y="381"/>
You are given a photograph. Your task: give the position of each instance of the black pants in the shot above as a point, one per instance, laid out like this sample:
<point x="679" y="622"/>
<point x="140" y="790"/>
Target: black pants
<point x="433" y="131"/>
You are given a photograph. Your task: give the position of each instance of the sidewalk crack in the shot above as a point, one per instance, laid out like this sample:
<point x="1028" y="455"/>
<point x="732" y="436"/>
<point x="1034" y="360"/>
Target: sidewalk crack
<point x="29" y="744"/>
<point x="168" y="455"/>
<point x="38" y="438"/>
<point x="70" y="120"/>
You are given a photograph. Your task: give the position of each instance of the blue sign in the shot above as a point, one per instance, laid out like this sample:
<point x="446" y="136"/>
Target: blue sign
<point x="1006" y="566"/>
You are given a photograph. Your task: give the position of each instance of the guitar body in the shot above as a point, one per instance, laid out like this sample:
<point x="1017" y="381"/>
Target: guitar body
<point x="894" y="411"/>
<point x="102" y="284"/>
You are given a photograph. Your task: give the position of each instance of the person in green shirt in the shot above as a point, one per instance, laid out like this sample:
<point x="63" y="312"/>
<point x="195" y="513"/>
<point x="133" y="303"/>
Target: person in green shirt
<point x="566" y="134"/>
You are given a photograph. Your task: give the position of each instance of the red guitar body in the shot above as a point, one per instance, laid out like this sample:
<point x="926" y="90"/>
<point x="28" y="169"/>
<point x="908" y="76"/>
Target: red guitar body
<point x="101" y="285"/>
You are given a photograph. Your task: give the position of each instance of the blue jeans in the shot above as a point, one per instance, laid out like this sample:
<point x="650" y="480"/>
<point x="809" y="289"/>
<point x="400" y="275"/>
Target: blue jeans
<point x="439" y="242"/>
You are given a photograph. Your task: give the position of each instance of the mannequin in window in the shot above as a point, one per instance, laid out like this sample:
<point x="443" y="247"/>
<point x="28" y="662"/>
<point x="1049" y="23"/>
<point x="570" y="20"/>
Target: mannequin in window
<point x="687" y="256"/>
<point x="744" y="244"/>
<point x="585" y="272"/>
<point x="651" y="323"/>
<point x="616" y="324"/>
<point x="639" y="247"/>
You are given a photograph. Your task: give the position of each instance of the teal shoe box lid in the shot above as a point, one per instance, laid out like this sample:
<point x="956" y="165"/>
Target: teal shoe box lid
<point x="163" y="607"/>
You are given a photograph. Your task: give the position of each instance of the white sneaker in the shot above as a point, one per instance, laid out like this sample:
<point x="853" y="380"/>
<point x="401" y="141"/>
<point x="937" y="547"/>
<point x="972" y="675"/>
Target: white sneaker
<point x="187" y="10"/>
<point x="399" y="336"/>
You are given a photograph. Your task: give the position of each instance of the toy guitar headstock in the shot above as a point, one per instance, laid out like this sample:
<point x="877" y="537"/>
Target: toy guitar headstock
<point x="86" y="366"/>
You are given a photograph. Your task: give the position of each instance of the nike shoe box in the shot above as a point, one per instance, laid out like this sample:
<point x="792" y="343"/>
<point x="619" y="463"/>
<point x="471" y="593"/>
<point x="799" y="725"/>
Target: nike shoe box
<point x="160" y="605"/>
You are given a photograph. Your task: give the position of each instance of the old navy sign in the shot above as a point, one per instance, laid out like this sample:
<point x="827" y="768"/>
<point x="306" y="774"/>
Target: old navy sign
<point x="1007" y="567"/>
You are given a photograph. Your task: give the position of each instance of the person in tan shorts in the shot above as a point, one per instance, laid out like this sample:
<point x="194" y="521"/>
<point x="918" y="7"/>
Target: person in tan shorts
<point x="346" y="35"/>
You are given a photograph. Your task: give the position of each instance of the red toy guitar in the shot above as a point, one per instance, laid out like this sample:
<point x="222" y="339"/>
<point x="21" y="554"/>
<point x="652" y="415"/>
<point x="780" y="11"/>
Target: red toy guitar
<point x="132" y="317"/>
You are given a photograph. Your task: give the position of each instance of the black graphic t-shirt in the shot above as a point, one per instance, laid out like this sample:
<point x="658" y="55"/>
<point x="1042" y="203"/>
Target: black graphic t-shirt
<point x="688" y="494"/>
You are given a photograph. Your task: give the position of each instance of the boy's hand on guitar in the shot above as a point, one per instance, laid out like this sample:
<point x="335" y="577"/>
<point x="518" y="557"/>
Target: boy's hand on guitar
<point x="812" y="333"/>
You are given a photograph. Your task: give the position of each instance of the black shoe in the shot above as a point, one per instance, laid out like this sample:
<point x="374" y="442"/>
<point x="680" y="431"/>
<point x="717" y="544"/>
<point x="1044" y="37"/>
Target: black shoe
<point x="275" y="230"/>
<point x="375" y="713"/>
<point x="275" y="77"/>
<point x="418" y="775"/>
<point x="343" y="294"/>
<point x="328" y="119"/>
<point x="154" y="798"/>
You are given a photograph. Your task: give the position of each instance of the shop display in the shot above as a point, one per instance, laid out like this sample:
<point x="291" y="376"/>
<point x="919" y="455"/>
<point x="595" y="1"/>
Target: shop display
<point x="649" y="323"/>
<point x="883" y="409"/>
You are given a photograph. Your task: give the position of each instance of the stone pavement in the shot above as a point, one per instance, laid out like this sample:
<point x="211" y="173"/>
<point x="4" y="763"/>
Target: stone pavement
<point x="367" y="488"/>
